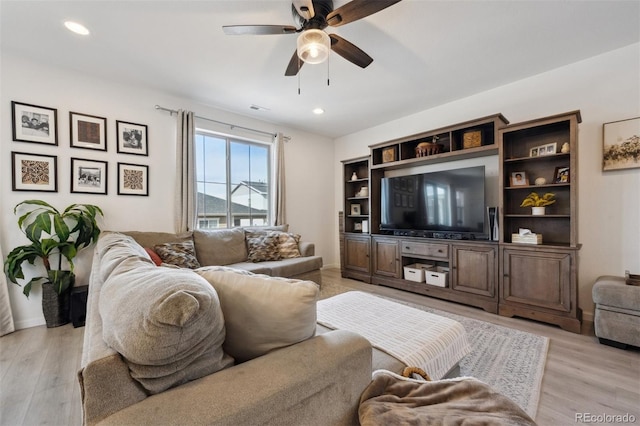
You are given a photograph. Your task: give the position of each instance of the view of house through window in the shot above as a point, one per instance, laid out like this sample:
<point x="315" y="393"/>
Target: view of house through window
<point x="233" y="181"/>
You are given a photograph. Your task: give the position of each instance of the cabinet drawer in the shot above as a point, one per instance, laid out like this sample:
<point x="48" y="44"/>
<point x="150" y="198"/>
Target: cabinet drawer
<point x="425" y="249"/>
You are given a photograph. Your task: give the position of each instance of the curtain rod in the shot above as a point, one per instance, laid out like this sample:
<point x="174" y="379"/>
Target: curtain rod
<point x="233" y="126"/>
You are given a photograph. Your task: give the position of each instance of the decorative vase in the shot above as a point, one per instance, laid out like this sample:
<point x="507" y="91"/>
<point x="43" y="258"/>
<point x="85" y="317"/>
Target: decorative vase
<point x="538" y="211"/>
<point x="354" y="176"/>
<point x="55" y="307"/>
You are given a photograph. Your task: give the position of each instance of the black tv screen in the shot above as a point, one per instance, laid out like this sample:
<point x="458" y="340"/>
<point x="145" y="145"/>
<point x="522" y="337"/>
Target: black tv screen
<point x="443" y="201"/>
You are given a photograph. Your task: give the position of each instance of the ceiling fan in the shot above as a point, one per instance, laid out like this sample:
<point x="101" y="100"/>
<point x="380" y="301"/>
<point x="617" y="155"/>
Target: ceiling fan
<point x="311" y="18"/>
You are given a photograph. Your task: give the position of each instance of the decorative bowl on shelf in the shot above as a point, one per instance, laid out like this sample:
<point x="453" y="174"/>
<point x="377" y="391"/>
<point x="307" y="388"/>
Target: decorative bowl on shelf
<point x="428" y="148"/>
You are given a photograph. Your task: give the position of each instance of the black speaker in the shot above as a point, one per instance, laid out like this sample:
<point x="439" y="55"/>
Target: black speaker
<point x="494" y="231"/>
<point x="78" y="311"/>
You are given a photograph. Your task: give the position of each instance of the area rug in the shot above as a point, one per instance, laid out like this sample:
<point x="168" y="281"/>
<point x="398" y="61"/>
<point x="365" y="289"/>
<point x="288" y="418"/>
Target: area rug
<point x="510" y="361"/>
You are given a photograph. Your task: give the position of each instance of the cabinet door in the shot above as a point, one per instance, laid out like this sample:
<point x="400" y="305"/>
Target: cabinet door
<point x="473" y="269"/>
<point x="537" y="278"/>
<point x="356" y="253"/>
<point x="386" y="257"/>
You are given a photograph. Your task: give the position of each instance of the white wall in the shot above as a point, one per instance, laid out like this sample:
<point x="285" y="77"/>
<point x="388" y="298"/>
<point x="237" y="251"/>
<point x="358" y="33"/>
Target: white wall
<point x="308" y="179"/>
<point x="604" y="88"/>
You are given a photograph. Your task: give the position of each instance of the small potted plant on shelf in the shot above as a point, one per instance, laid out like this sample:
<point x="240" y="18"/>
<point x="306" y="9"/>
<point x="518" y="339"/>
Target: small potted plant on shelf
<point x="56" y="237"/>
<point x="538" y="203"/>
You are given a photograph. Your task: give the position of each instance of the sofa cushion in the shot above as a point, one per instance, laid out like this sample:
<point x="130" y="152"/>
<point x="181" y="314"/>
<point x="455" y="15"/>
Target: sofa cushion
<point x="182" y="254"/>
<point x="220" y="246"/>
<point x="262" y="313"/>
<point x="154" y="256"/>
<point x="262" y="246"/>
<point x="150" y="239"/>
<point x="166" y="323"/>
<point x="292" y="267"/>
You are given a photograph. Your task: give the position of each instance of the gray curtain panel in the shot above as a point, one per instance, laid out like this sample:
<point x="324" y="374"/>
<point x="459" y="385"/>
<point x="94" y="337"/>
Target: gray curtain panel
<point x="185" y="194"/>
<point x="279" y="213"/>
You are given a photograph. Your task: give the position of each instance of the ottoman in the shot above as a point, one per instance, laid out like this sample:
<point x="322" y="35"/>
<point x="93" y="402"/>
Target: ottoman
<point x="402" y="336"/>
<point x="617" y="315"/>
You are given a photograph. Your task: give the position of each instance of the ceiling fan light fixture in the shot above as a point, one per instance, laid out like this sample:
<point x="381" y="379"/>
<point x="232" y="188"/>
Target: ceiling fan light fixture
<point x="314" y="46"/>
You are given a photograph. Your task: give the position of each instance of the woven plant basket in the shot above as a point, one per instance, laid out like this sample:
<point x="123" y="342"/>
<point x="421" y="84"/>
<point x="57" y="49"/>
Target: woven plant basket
<point x="55" y="306"/>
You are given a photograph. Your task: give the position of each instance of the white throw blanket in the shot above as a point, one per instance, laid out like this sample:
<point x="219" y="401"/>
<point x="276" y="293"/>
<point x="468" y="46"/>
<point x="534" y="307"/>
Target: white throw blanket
<point x="416" y="338"/>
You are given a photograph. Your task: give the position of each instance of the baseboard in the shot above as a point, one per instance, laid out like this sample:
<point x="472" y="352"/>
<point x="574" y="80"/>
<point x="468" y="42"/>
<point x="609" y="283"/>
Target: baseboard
<point x="33" y="322"/>
<point x="331" y="266"/>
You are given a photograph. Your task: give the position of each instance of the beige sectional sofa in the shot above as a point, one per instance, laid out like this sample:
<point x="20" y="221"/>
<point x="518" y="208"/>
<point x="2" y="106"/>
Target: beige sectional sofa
<point x="213" y="345"/>
<point x="228" y="247"/>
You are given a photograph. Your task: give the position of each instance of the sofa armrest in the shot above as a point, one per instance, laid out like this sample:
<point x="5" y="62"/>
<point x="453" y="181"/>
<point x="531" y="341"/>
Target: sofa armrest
<point x="318" y="381"/>
<point x="307" y="248"/>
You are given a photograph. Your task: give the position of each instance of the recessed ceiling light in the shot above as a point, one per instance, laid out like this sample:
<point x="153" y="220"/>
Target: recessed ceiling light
<point x="318" y="111"/>
<point x="76" y="28"/>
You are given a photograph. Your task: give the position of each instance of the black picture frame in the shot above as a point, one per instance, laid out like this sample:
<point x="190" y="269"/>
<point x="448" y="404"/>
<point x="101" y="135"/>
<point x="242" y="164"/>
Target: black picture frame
<point x="87" y="131"/>
<point x="89" y="176"/>
<point x="34" y="172"/>
<point x="34" y="123"/>
<point x="132" y="138"/>
<point x="133" y="179"/>
<point x="561" y="175"/>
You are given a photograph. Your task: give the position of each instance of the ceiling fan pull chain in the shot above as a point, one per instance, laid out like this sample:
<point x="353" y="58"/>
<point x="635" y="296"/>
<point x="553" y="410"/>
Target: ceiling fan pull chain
<point x="328" y="74"/>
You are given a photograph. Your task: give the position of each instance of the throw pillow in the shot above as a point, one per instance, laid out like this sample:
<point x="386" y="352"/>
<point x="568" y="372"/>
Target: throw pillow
<point x="289" y="245"/>
<point x="220" y="246"/>
<point x="262" y="246"/>
<point x="154" y="256"/>
<point x="182" y="254"/>
<point x="166" y="323"/>
<point x="262" y="313"/>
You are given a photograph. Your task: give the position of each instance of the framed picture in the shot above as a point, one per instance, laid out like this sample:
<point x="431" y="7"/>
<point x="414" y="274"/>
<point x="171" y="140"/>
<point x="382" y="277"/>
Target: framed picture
<point x="32" y="123"/>
<point x="34" y="172"/>
<point x="133" y="179"/>
<point x="88" y="176"/>
<point x="132" y="138"/>
<point x="389" y="154"/>
<point x="88" y="131"/>
<point x="355" y="209"/>
<point x="519" y="179"/>
<point x="561" y="175"/>
<point x="533" y="152"/>
<point x="550" y="148"/>
<point x="357" y="226"/>
<point x="621" y="144"/>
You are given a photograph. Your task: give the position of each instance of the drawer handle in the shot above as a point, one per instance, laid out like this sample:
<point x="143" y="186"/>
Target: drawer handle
<point x="439" y="250"/>
<point x="407" y="248"/>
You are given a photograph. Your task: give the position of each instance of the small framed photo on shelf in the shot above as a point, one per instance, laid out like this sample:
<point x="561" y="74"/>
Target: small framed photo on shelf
<point x="389" y="154"/>
<point x="533" y="152"/>
<point x="519" y="179"/>
<point x="34" y="172"/>
<point x="550" y="148"/>
<point x="357" y="227"/>
<point x="88" y="176"/>
<point x="88" y="131"/>
<point x="133" y="179"/>
<point x="355" y="209"/>
<point x="32" y="123"/>
<point x="132" y="138"/>
<point x="561" y="175"/>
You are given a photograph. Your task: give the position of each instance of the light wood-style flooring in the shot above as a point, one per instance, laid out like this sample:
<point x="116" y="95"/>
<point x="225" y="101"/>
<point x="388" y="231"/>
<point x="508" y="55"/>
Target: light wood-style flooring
<point x="38" y="369"/>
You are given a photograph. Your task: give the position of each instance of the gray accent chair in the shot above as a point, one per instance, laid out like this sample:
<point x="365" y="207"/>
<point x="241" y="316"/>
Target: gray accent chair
<point x="617" y="315"/>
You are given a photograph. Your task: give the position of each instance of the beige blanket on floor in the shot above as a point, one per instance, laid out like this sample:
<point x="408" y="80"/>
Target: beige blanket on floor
<point x="391" y="399"/>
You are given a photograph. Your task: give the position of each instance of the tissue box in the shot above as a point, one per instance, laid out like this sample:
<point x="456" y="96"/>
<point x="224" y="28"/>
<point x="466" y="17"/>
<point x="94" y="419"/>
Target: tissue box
<point x="415" y="271"/>
<point x="438" y="277"/>
<point x="526" y="239"/>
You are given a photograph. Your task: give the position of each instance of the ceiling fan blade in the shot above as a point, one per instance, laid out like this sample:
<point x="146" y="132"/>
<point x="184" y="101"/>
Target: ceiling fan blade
<point x="304" y="8"/>
<point x="258" y="29"/>
<point x="294" y="65"/>
<point x="357" y="9"/>
<point x="349" y="51"/>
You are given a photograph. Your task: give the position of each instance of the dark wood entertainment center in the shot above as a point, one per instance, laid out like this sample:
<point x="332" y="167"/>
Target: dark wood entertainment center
<point x="536" y="281"/>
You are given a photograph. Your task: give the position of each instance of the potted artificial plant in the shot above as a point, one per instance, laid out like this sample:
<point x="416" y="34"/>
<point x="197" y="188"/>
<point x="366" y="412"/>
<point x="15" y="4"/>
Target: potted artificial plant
<point x="538" y="203"/>
<point x="56" y="237"/>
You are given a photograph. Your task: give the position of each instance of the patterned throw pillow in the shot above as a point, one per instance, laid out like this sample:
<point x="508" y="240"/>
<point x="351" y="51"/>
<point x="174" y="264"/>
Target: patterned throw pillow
<point x="181" y="254"/>
<point x="288" y="245"/>
<point x="262" y="246"/>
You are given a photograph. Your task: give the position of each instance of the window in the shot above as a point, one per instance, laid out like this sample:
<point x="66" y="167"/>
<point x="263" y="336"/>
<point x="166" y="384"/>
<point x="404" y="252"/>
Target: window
<point x="232" y="177"/>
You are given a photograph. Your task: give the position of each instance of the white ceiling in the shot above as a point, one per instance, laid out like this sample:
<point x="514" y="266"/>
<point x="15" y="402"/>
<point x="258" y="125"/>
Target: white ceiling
<point x="425" y="53"/>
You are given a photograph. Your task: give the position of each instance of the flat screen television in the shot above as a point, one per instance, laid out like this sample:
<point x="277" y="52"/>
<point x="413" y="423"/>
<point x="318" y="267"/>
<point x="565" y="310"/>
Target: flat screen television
<point x="447" y="201"/>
